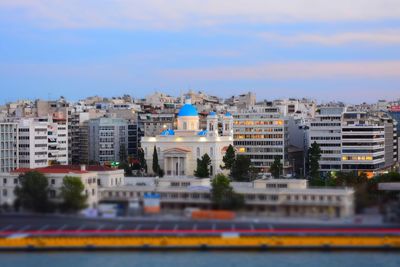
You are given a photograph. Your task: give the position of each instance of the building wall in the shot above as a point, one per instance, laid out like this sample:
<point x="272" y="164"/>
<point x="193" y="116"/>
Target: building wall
<point x="262" y="134"/>
<point x="107" y="136"/>
<point x="9" y="147"/>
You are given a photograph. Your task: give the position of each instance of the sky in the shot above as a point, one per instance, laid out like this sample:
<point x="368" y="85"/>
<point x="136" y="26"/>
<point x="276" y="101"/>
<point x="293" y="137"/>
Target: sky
<point x="347" y="50"/>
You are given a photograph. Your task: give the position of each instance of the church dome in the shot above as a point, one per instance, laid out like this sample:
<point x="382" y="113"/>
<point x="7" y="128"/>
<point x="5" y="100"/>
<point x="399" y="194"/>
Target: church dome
<point x="188" y="110"/>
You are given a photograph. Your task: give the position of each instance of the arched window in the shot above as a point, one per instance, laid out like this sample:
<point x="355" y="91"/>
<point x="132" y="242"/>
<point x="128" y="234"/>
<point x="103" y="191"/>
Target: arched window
<point x="198" y="152"/>
<point x="184" y="125"/>
<point x="211" y="151"/>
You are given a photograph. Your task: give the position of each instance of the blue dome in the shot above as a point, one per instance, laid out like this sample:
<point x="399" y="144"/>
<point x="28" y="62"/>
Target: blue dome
<point x="212" y="113"/>
<point x="168" y="132"/>
<point x="202" y="133"/>
<point x="228" y="114"/>
<point x="188" y="110"/>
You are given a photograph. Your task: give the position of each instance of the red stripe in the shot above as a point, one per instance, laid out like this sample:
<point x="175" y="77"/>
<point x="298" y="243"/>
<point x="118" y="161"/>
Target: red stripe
<point x="245" y="231"/>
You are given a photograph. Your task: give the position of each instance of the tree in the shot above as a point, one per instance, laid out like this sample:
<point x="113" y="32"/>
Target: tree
<point x="222" y="194"/>
<point x="126" y="167"/>
<point x="156" y="165"/>
<point x="202" y="170"/>
<point x="72" y="193"/>
<point x="241" y="168"/>
<point x="276" y="167"/>
<point x="142" y="160"/>
<point x="314" y="155"/>
<point x="229" y="158"/>
<point x="33" y="192"/>
<point x="122" y="153"/>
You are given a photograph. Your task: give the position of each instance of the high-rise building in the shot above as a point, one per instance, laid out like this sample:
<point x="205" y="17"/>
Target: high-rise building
<point x="262" y="134"/>
<point x="33" y="144"/>
<point x="358" y="141"/>
<point x="8" y="146"/>
<point x="108" y="140"/>
<point x="369" y="142"/>
<point x="326" y="130"/>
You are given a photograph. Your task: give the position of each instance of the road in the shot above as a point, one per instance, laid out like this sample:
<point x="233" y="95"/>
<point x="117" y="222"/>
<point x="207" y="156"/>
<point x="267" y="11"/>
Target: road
<point x="49" y="224"/>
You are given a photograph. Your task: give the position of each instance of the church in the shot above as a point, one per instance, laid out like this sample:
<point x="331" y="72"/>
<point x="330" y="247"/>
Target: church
<point x="178" y="149"/>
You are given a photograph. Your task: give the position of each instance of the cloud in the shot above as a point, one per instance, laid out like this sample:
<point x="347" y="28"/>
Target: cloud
<point x="291" y="71"/>
<point x="381" y="37"/>
<point x="175" y="14"/>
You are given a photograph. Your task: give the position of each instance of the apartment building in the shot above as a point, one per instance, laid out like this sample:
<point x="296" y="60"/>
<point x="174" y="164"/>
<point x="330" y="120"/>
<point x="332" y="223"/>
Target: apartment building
<point x="33" y="143"/>
<point x="262" y="134"/>
<point x="326" y="130"/>
<point x="108" y="140"/>
<point x="153" y="124"/>
<point x="42" y="142"/>
<point x="357" y="141"/>
<point x="9" y="148"/>
<point x="369" y="142"/>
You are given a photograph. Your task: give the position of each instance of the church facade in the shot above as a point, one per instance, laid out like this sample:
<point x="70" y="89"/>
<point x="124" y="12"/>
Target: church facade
<point x="178" y="149"/>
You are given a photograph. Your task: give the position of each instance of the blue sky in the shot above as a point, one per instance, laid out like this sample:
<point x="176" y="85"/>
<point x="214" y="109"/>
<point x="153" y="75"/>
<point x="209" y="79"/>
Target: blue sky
<point x="344" y="50"/>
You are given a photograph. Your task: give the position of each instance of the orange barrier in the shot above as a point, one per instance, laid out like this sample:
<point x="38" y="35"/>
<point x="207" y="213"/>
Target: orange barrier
<point x="213" y="215"/>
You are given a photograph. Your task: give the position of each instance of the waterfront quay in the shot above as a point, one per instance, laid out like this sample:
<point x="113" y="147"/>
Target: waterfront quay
<point x="36" y="233"/>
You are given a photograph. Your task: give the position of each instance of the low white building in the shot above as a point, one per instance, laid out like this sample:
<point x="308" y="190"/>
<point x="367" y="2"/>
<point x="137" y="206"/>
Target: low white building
<point x="91" y="176"/>
<point x="265" y="197"/>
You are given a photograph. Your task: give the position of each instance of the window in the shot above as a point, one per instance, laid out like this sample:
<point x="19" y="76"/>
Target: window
<point x="53" y="181"/>
<point x="93" y="192"/>
<point x="52" y="193"/>
<point x="198" y="152"/>
<point x="184" y="126"/>
<point x="15" y="181"/>
<point x="4" y="192"/>
<point x="4" y="180"/>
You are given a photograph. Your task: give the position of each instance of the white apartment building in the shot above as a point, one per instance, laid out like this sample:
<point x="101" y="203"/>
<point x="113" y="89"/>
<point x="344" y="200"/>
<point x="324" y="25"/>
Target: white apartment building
<point x="42" y="142"/>
<point x="354" y="140"/>
<point x="8" y="146"/>
<point x="33" y="144"/>
<point x="326" y="130"/>
<point x="57" y="137"/>
<point x="369" y="142"/>
<point x="262" y="134"/>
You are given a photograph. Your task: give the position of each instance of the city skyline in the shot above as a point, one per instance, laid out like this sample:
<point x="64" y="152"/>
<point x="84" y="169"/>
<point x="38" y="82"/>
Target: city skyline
<point x="277" y="50"/>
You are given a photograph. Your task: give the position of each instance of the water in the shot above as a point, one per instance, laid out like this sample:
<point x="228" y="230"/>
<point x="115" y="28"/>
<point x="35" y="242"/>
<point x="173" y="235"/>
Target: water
<point x="199" y="259"/>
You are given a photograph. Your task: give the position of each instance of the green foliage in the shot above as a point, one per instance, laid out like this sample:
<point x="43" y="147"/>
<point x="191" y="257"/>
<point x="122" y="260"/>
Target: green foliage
<point x="72" y="193"/>
<point x="32" y="194"/>
<point x="314" y="155"/>
<point x="126" y="167"/>
<point x="229" y="158"/>
<point x="156" y="165"/>
<point x="223" y="196"/>
<point x="241" y="168"/>
<point x="276" y="167"/>
<point x="203" y="170"/>
<point x="142" y="160"/>
<point x="366" y="191"/>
